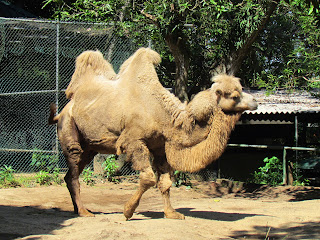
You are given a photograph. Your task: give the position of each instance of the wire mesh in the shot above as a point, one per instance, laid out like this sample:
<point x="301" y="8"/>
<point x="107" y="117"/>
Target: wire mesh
<point x="36" y="64"/>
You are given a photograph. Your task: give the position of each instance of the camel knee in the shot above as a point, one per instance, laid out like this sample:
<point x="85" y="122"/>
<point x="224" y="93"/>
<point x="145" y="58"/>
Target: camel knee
<point x="147" y="178"/>
<point x="165" y="182"/>
<point x="73" y="150"/>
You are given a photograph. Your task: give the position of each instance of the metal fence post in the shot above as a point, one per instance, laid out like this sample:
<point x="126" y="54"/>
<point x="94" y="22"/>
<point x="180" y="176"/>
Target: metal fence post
<point x="57" y="81"/>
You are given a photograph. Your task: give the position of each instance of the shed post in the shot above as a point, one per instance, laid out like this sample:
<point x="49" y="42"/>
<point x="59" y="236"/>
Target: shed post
<point x="285" y="166"/>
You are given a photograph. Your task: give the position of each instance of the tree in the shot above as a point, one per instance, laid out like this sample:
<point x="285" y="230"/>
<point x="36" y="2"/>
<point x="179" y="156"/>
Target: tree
<point x="214" y="35"/>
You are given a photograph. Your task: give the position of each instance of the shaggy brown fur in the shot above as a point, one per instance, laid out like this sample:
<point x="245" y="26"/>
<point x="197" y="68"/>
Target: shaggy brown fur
<point x="132" y="113"/>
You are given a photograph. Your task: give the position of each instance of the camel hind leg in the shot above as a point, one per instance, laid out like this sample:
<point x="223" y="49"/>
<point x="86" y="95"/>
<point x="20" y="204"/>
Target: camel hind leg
<point x="77" y="160"/>
<point x="164" y="183"/>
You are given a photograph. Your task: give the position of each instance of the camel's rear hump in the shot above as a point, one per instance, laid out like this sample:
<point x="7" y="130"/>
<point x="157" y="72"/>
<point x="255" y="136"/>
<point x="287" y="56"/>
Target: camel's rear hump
<point x="141" y="57"/>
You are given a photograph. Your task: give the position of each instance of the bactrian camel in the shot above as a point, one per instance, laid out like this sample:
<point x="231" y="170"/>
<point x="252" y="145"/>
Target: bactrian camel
<point x="132" y="113"/>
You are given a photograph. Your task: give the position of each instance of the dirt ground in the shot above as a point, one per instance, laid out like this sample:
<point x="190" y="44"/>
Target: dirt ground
<point x="211" y="213"/>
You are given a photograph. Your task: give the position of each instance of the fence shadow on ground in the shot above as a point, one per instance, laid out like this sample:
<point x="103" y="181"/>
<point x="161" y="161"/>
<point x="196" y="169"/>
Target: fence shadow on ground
<point x="306" y="230"/>
<point x="18" y="222"/>
<point x="294" y="193"/>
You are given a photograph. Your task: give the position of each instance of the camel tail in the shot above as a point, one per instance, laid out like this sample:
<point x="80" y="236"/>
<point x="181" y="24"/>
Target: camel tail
<point x="92" y="63"/>
<point x="53" y="118"/>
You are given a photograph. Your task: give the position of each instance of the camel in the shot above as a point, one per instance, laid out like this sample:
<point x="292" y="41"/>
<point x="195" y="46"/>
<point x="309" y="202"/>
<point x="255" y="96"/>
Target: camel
<point x="132" y="113"/>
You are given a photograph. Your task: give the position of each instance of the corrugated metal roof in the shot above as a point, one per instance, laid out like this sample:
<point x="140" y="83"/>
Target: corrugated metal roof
<point x="285" y="102"/>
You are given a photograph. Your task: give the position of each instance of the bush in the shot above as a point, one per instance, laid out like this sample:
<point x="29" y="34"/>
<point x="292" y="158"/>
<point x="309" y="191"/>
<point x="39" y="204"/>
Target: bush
<point x="47" y="167"/>
<point x="44" y="162"/>
<point x="110" y="167"/>
<point x="88" y="176"/>
<point x="181" y="178"/>
<point x="7" y="178"/>
<point x="272" y="173"/>
<point x="46" y="178"/>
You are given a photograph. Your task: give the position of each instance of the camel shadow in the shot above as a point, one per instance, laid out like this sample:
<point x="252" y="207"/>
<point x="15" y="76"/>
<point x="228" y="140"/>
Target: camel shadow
<point x="212" y="215"/>
<point x="209" y="215"/>
<point x="18" y="222"/>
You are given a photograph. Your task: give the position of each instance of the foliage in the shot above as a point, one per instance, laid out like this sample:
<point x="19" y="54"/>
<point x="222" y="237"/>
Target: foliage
<point x="110" y="167"/>
<point x="287" y="53"/>
<point x="88" y="176"/>
<point x="181" y="178"/>
<point x="43" y="178"/>
<point x="272" y="173"/>
<point x="47" y="167"/>
<point x="281" y="52"/>
<point x="46" y="178"/>
<point x="7" y="178"/>
<point x="44" y="162"/>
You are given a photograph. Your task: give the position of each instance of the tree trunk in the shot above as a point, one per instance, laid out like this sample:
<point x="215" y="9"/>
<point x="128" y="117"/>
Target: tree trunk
<point x="233" y="64"/>
<point x="180" y="53"/>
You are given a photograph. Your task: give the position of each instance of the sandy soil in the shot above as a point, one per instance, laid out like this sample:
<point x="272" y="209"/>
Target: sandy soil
<point x="46" y="213"/>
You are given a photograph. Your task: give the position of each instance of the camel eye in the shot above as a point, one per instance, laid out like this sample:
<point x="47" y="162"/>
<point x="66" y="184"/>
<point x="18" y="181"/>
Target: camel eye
<point x="235" y="98"/>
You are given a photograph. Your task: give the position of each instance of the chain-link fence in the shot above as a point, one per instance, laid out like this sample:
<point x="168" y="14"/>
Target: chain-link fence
<point x="37" y="61"/>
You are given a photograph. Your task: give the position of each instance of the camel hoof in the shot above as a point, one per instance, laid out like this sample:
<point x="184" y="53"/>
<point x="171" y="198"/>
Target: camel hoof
<point x="129" y="209"/>
<point x="85" y="213"/>
<point x="174" y="215"/>
<point x="128" y="213"/>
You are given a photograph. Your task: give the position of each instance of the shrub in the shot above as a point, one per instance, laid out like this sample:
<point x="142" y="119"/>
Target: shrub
<point x="44" y="162"/>
<point x="110" y="167"/>
<point x="272" y="173"/>
<point x="44" y="178"/>
<point x="181" y="178"/>
<point x="88" y="176"/>
<point x="7" y="178"/>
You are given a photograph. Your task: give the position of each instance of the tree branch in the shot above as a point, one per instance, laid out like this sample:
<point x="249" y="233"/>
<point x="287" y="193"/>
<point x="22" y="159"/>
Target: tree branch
<point x="151" y="17"/>
<point x="241" y="53"/>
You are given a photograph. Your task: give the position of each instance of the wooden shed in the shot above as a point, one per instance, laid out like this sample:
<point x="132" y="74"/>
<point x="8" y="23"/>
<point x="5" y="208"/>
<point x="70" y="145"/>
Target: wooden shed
<point x="283" y="119"/>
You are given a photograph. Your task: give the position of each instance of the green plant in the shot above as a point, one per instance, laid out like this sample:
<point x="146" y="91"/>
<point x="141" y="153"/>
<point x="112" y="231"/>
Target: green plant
<point x="88" y="176"/>
<point x="110" y="167"/>
<point x="44" y="178"/>
<point x="55" y="176"/>
<point x="272" y="173"/>
<point x="44" y="162"/>
<point x="181" y="178"/>
<point x="7" y="178"/>
<point x="47" y="167"/>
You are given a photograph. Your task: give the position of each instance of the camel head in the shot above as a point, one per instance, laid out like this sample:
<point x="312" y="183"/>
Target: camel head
<point x="230" y="96"/>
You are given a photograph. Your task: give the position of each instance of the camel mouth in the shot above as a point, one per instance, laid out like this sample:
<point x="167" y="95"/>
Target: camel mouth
<point x="253" y="106"/>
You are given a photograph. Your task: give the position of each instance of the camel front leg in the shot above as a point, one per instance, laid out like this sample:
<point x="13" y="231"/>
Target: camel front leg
<point x="147" y="180"/>
<point x="139" y="154"/>
<point x="164" y="185"/>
